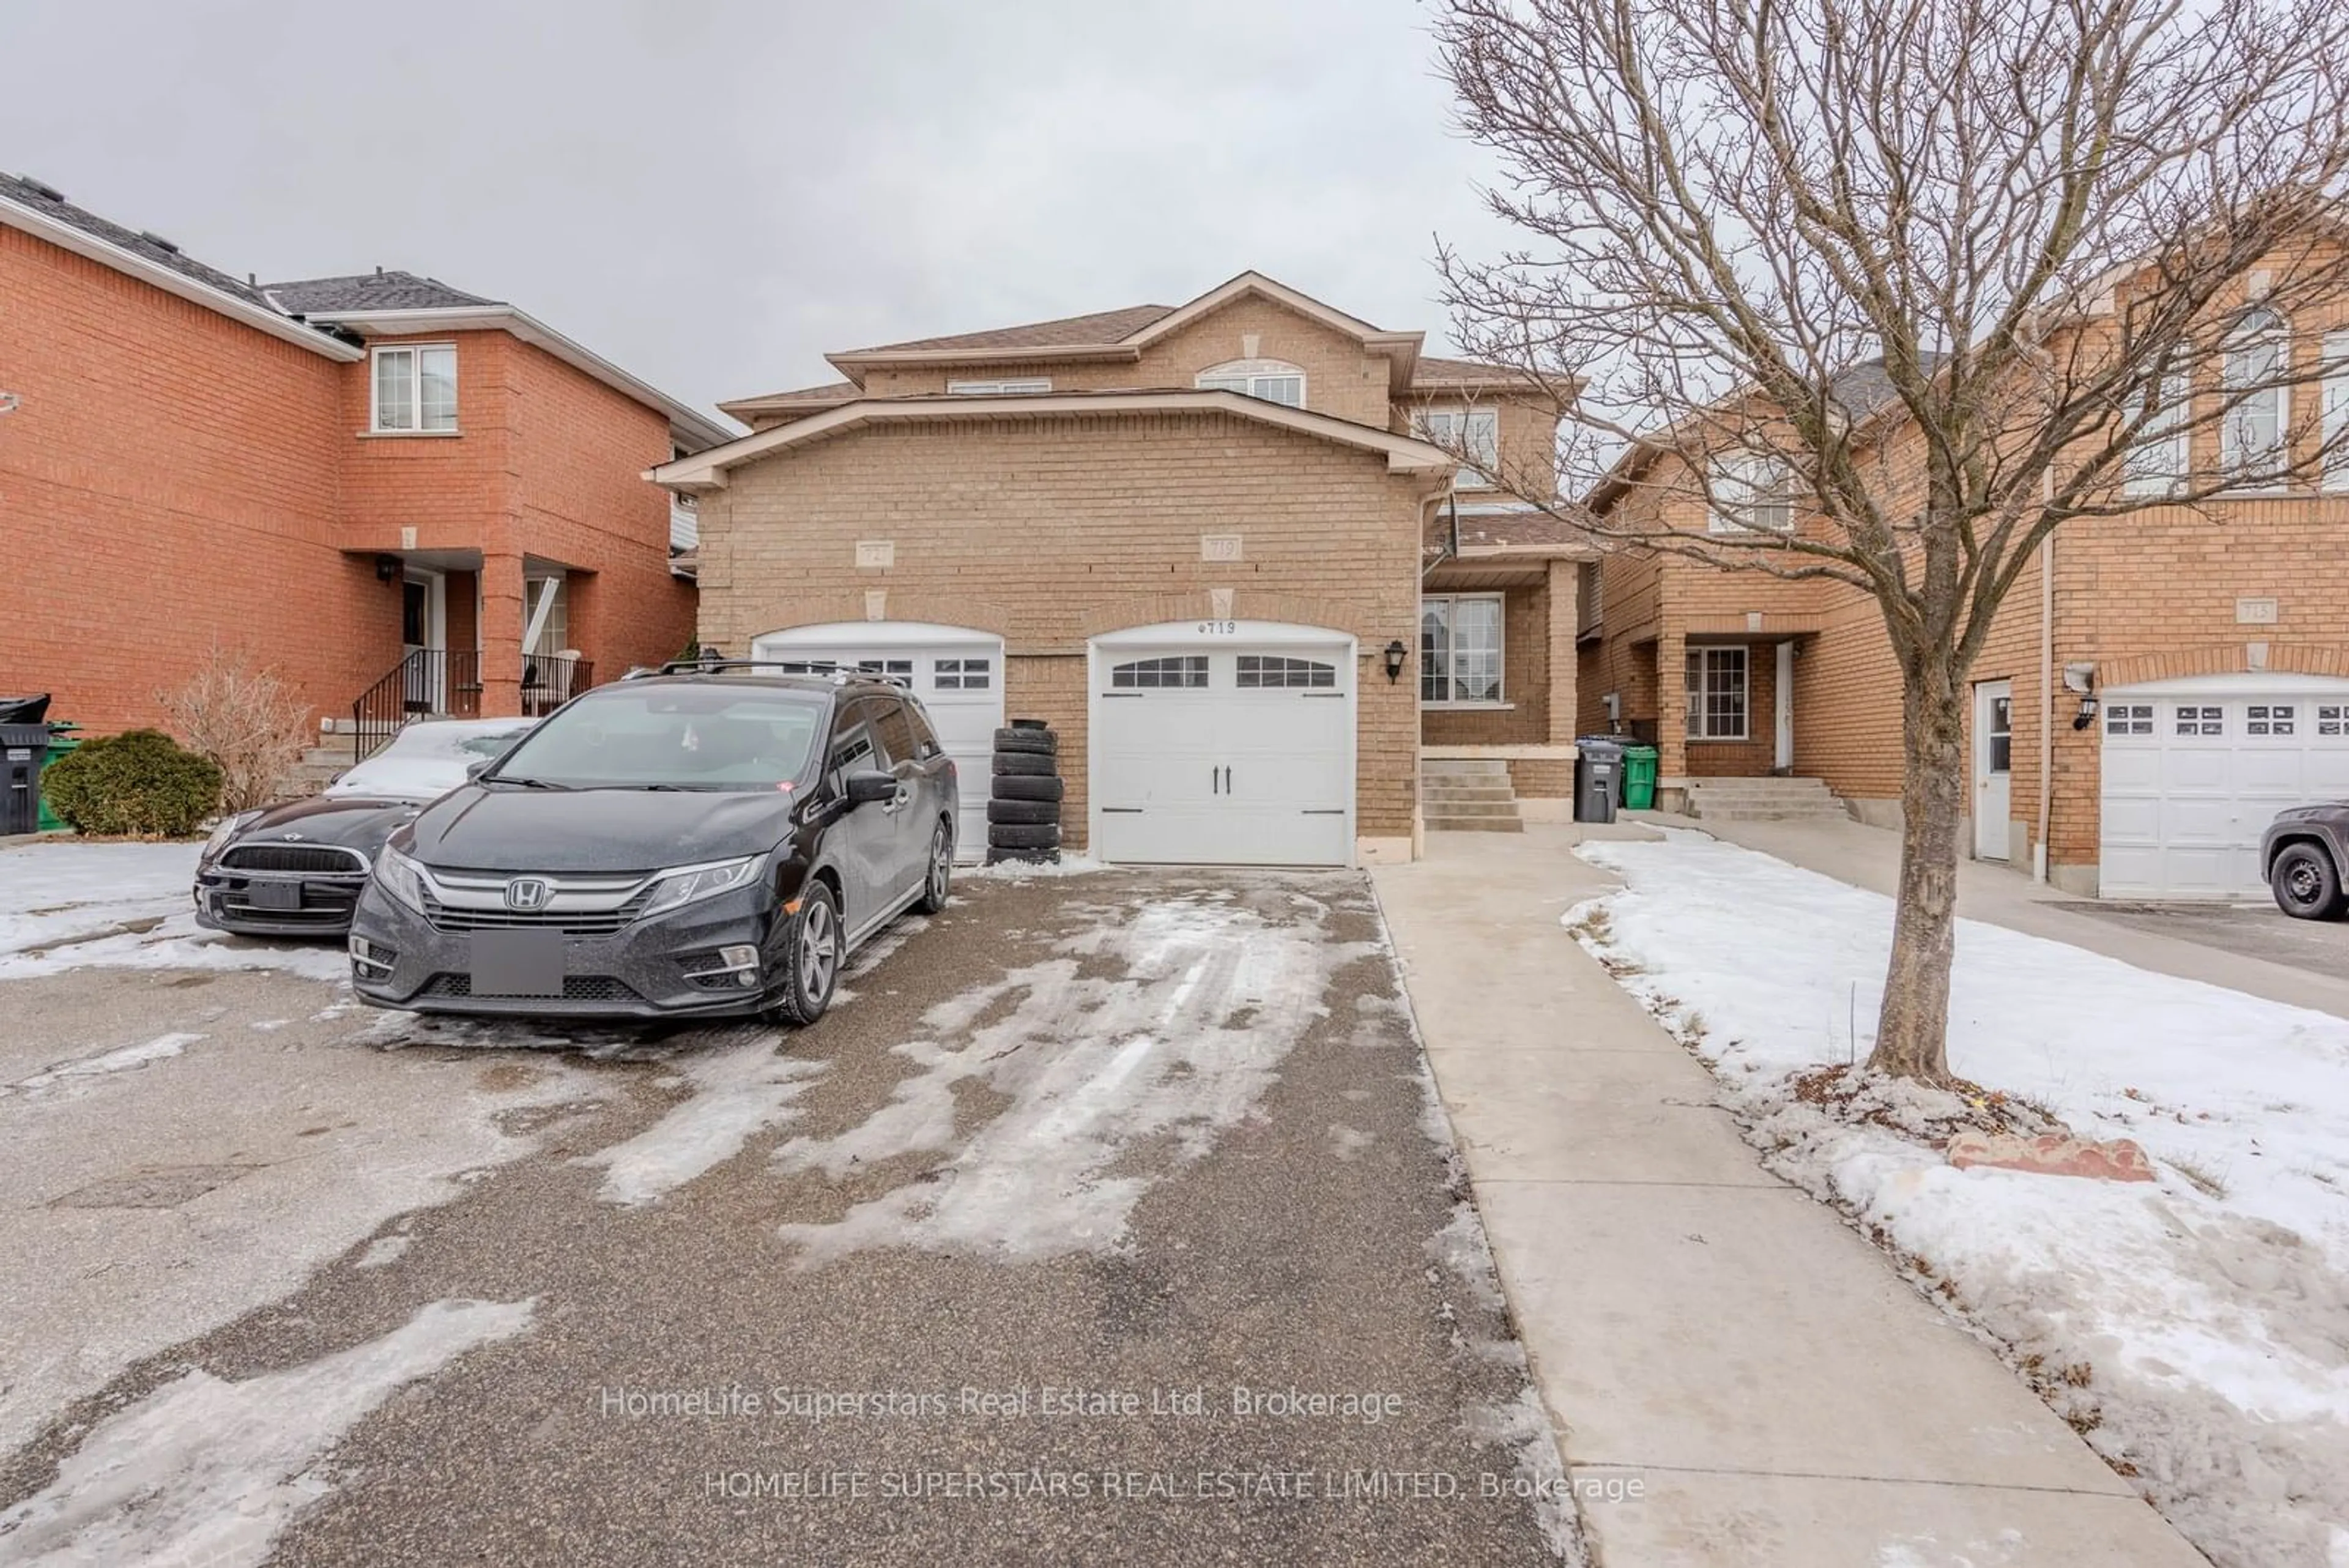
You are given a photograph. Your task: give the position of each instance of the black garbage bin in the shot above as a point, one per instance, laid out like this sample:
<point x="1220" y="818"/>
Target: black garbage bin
<point x="1597" y="777"/>
<point x="22" y="749"/>
<point x="23" y="710"/>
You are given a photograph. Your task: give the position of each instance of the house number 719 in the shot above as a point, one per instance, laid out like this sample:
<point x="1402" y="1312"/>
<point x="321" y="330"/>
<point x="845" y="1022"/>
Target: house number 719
<point x="1219" y="628"/>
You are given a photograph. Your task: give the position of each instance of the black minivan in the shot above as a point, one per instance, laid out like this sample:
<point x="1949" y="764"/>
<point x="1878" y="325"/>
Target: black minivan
<point x="678" y="845"/>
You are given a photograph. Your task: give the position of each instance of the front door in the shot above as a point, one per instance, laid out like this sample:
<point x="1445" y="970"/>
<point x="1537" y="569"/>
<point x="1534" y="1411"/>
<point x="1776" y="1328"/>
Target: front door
<point x="423" y="621"/>
<point x="1993" y="767"/>
<point x="1781" y="755"/>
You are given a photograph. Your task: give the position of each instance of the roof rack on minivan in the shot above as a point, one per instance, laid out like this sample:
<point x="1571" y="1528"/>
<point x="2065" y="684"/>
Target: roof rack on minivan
<point x="833" y="670"/>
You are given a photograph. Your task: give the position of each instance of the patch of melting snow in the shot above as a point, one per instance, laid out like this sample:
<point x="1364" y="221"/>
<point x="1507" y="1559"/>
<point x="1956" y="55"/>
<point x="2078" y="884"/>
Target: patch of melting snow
<point x="271" y="1025"/>
<point x="1926" y="1551"/>
<point x="1027" y="870"/>
<point x="735" y="1089"/>
<point x="117" y="1061"/>
<point x="204" y="1470"/>
<point x="1184" y="1039"/>
<point x="382" y="1253"/>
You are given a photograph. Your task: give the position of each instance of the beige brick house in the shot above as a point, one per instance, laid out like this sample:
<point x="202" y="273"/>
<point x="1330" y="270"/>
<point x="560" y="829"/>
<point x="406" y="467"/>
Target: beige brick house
<point x="1210" y="543"/>
<point x="2157" y="686"/>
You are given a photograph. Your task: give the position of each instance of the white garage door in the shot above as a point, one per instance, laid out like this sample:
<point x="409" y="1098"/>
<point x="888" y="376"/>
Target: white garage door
<point x="2195" y="769"/>
<point x="956" y="672"/>
<point x="1224" y="742"/>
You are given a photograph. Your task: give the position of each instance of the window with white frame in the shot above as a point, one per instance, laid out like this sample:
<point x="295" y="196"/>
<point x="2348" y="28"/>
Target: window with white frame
<point x="1460" y="648"/>
<point x="415" y="388"/>
<point x="962" y="674"/>
<point x="1021" y="386"/>
<point x="2336" y="411"/>
<point x="2157" y="464"/>
<point x="1476" y="432"/>
<point x="1181" y="671"/>
<point x="1751" y="493"/>
<point x="1716" y="694"/>
<point x="2252" y="440"/>
<point x="2128" y="719"/>
<point x="1274" y="381"/>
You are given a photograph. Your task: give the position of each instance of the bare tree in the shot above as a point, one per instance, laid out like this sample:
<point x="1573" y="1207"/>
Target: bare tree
<point x="2047" y="240"/>
<point x="245" y="719"/>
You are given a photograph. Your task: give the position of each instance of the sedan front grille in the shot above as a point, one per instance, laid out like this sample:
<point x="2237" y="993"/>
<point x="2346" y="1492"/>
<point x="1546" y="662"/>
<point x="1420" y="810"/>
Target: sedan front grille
<point x="570" y="923"/>
<point x="575" y="988"/>
<point x="306" y="859"/>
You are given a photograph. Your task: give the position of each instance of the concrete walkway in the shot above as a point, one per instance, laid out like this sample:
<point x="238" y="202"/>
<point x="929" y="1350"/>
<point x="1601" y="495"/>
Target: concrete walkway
<point x="1738" y="1378"/>
<point x="1870" y="858"/>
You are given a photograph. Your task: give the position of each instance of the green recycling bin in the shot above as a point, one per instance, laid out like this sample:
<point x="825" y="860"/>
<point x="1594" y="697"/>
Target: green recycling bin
<point x="1638" y="778"/>
<point x="61" y="740"/>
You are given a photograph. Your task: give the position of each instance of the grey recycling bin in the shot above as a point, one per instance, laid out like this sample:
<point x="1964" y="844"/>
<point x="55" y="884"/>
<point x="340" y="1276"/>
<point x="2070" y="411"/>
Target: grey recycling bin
<point x="22" y="749"/>
<point x="1597" y="777"/>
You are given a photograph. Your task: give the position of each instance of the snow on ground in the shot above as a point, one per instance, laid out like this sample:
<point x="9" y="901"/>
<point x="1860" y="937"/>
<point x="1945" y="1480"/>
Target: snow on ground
<point x="120" y="1060"/>
<point x="2199" y="1324"/>
<point x="738" y="1087"/>
<point x="203" y="1470"/>
<point x="1025" y="870"/>
<point x="128" y="905"/>
<point x="1184" y="1039"/>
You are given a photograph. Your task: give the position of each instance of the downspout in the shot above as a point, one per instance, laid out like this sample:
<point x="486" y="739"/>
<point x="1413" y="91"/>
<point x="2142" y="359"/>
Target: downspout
<point x="2047" y="704"/>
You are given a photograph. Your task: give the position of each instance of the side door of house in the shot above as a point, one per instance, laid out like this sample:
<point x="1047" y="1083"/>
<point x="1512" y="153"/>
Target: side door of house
<point x="1993" y="768"/>
<point x="863" y="837"/>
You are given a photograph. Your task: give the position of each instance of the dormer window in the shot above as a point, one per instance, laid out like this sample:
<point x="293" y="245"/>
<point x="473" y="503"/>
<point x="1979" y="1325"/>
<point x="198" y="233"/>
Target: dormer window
<point x="1274" y="381"/>
<point x="416" y="389"/>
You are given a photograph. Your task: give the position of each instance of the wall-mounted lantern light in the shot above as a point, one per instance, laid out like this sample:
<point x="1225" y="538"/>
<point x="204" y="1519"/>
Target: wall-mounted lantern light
<point x="387" y="568"/>
<point x="1396" y="654"/>
<point x="2087" y="713"/>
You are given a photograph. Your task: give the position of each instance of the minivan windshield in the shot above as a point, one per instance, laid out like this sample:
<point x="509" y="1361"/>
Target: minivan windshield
<point x="707" y="737"/>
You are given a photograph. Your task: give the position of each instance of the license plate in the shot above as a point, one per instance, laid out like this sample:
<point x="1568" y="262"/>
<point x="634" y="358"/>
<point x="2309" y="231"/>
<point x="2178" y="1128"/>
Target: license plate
<point x="273" y="895"/>
<point x="517" y="963"/>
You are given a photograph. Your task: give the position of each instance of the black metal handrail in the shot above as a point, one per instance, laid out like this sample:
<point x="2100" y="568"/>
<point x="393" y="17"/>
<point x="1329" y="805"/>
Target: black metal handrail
<point x="549" y="680"/>
<point x="426" y="681"/>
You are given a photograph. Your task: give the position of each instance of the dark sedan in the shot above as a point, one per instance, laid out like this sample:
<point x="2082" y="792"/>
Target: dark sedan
<point x="672" y="845"/>
<point x="296" y="870"/>
<point x="2305" y="851"/>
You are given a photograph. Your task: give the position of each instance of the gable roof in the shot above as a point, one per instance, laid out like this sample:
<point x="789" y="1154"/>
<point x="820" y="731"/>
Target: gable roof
<point x="38" y="209"/>
<point x="1099" y="327"/>
<point x="377" y="290"/>
<point x="1122" y="335"/>
<point x="1436" y="371"/>
<point x="708" y="470"/>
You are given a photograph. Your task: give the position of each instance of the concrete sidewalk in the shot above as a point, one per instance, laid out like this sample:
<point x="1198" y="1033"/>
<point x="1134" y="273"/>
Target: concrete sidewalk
<point x="1738" y="1378"/>
<point x="1870" y="858"/>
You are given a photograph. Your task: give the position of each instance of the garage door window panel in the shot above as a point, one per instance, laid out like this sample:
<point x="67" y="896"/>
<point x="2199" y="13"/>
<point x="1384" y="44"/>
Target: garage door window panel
<point x="1175" y="672"/>
<point x="962" y="674"/>
<point x="2128" y="719"/>
<point x="1264" y="671"/>
<point x="2270" y="719"/>
<point x="2200" y="720"/>
<point x="1460" y="649"/>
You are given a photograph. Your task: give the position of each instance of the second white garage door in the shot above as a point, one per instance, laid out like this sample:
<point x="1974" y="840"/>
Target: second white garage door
<point x="956" y="672"/>
<point x="2195" y="769"/>
<point x="1223" y="743"/>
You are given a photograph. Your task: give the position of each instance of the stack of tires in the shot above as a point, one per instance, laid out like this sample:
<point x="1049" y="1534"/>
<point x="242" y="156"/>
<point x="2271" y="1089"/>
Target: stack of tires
<point x="1023" y="814"/>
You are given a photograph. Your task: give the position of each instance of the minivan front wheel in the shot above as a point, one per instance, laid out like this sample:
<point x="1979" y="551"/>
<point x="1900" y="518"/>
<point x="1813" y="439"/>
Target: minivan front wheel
<point x="940" y="878"/>
<point x="813" y="953"/>
<point x="2307" y="884"/>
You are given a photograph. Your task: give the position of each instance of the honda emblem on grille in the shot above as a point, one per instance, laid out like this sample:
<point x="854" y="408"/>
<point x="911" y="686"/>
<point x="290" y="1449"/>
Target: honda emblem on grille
<point x="526" y="893"/>
<point x="290" y="837"/>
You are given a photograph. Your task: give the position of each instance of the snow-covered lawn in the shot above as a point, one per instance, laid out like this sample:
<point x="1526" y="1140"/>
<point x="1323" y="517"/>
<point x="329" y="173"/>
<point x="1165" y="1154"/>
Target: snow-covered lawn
<point x="2198" y="1327"/>
<point x="67" y="906"/>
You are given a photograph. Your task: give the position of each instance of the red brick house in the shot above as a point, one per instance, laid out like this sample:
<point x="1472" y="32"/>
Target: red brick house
<point x="396" y="493"/>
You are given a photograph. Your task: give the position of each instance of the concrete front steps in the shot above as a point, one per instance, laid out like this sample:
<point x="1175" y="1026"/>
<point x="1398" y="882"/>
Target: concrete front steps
<point x="1468" y="796"/>
<point x="1764" y="800"/>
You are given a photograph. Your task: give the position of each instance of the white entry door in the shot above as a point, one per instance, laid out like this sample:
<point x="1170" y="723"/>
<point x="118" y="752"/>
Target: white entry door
<point x="955" y="671"/>
<point x="1993" y="768"/>
<point x="1223" y="743"/>
<point x="2195" y="769"/>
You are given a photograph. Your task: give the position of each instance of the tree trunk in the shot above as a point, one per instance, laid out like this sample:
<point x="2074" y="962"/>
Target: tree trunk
<point x="1912" y="1028"/>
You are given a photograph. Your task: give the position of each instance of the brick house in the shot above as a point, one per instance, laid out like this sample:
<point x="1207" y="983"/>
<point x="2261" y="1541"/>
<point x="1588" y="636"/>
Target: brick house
<point x="2155" y="687"/>
<point x="384" y="487"/>
<point x="1210" y="543"/>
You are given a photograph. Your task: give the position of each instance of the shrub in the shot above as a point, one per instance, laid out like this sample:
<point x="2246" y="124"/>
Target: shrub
<point x="141" y="783"/>
<point x="246" y="720"/>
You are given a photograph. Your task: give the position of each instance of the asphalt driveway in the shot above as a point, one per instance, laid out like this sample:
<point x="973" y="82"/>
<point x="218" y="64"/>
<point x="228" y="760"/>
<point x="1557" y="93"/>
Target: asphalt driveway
<point x="2259" y="931"/>
<point x="1106" y="1217"/>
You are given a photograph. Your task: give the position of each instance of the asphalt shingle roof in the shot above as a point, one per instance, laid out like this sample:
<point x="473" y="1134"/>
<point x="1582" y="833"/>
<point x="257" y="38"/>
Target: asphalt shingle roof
<point x="377" y="290"/>
<point x="28" y="191"/>
<point x="1435" y="371"/>
<point x="1101" y="327"/>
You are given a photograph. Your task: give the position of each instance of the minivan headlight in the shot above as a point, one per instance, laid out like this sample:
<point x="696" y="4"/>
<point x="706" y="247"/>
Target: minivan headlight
<point x="401" y="877"/>
<point x="685" y="884"/>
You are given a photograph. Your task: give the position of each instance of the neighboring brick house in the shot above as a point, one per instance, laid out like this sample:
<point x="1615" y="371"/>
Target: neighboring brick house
<point x="1193" y="538"/>
<point x="2208" y="642"/>
<point x="373" y="484"/>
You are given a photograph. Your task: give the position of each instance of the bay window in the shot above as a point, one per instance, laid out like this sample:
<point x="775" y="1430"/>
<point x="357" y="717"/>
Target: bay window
<point x="1460" y="648"/>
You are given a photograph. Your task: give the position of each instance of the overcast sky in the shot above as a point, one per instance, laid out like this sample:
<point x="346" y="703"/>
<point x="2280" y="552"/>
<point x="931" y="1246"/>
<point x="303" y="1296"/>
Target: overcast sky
<point x="714" y="194"/>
